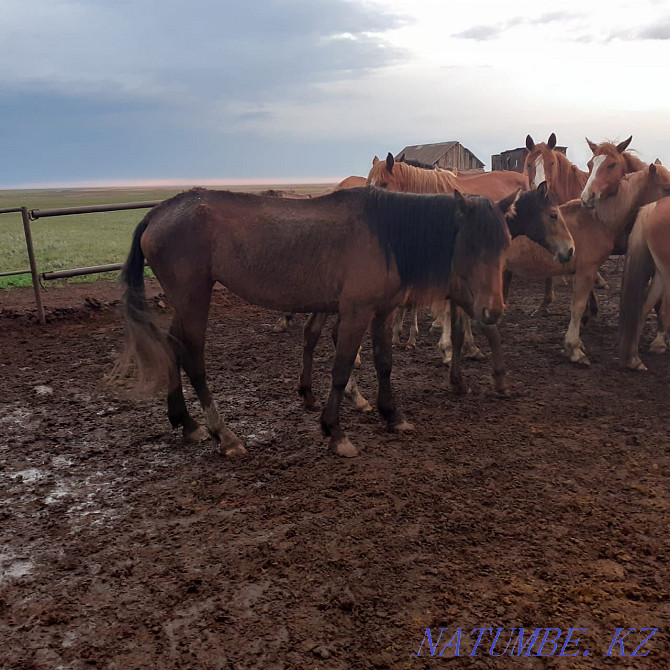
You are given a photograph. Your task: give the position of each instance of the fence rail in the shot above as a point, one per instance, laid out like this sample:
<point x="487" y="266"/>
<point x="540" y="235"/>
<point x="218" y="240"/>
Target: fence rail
<point x="28" y="215"/>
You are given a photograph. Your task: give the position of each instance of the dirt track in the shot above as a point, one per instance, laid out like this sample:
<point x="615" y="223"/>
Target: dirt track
<point x="124" y="548"/>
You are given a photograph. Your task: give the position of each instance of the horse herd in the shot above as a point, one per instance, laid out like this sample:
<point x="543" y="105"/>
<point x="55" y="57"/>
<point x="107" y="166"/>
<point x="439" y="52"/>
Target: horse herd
<point x="413" y="235"/>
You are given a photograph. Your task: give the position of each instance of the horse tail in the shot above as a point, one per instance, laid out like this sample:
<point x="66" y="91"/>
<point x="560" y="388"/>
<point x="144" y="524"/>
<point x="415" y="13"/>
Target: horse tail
<point x="638" y="270"/>
<point x="147" y="352"/>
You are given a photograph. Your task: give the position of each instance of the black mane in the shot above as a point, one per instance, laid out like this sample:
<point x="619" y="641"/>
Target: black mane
<point x="415" y="163"/>
<point x="420" y="232"/>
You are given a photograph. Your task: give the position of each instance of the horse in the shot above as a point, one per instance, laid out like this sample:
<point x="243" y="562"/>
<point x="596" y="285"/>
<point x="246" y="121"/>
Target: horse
<point x="358" y="253"/>
<point x="544" y="163"/>
<point x="495" y="185"/>
<point x="606" y="210"/>
<point x="534" y="213"/>
<point x="648" y="257"/>
<point x="401" y="176"/>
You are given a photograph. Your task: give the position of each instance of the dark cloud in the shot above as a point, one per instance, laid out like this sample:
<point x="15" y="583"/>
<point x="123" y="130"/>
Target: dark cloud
<point x="660" y="31"/>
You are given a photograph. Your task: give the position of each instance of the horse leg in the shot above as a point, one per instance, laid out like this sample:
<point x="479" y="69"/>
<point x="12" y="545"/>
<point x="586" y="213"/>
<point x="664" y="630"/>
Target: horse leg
<point x="283" y="322"/>
<point x="633" y="361"/>
<point x="601" y="282"/>
<point x="660" y="343"/>
<point x="350" y="333"/>
<point x="397" y="326"/>
<point x="458" y="384"/>
<point x="548" y="299"/>
<point x="592" y="311"/>
<point x="413" y="327"/>
<point x="383" y="357"/>
<point x="192" y="314"/>
<point x="470" y="349"/>
<point x="583" y="284"/>
<point x="311" y="333"/>
<point x="178" y="414"/>
<point x="445" y="344"/>
<point x="351" y="391"/>
<point x="507" y="282"/>
<point x="499" y="371"/>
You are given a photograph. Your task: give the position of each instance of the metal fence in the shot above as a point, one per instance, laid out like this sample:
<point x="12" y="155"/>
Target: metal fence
<point x="28" y="215"/>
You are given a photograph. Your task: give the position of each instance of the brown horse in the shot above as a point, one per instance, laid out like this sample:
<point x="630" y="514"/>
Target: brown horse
<point x="611" y="199"/>
<point x="648" y="257"/>
<point x="407" y="177"/>
<point x="533" y="213"/>
<point x="358" y="252"/>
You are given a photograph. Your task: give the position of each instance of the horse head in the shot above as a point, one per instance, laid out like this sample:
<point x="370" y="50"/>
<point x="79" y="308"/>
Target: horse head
<point x="540" y="164"/>
<point x="607" y="168"/>
<point x="381" y="175"/>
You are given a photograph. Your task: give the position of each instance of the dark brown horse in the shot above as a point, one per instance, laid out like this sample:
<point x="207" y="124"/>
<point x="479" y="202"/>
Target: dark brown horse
<point x="358" y="252"/>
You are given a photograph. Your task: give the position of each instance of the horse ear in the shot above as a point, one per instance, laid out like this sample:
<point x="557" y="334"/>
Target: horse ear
<point x="622" y="146"/>
<point x="542" y="189"/>
<point x="530" y="145"/>
<point x="460" y="198"/>
<point x="507" y="204"/>
<point x="389" y="162"/>
<point x="551" y="142"/>
<point x="375" y="160"/>
<point x="658" y="162"/>
<point x="652" y="170"/>
<point x="401" y="159"/>
<point x="592" y="145"/>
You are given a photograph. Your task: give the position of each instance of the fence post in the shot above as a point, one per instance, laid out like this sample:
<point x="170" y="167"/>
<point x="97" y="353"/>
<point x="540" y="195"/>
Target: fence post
<point x="33" y="265"/>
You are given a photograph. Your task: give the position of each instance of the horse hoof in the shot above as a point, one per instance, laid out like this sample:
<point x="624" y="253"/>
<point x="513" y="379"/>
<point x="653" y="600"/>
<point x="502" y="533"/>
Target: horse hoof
<point x="637" y="365"/>
<point x="402" y="427"/>
<point x="343" y="448"/>
<point x="236" y="450"/>
<point x="200" y="434"/>
<point x="657" y="348"/>
<point x="362" y="405"/>
<point x="475" y="355"/>
<point x="410" y="346"/>
<point x="541" y="311"/>
<point x="582" y="362"/>
<point x="461" y="389"/>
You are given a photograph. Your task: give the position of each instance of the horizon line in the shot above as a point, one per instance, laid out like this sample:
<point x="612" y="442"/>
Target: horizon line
<point x="153" y="183"/>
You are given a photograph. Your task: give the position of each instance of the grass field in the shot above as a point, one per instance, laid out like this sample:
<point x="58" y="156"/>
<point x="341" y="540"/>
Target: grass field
<point x="80" y="240"/>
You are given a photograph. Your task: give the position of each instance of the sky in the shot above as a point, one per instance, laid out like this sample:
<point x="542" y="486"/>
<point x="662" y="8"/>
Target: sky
<point x="220" y="91"/>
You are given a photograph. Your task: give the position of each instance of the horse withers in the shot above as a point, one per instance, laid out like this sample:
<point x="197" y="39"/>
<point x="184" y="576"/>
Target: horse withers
<point x="357" y="252"/>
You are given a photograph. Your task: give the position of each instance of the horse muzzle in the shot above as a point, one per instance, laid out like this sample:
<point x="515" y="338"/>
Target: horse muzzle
<point x="588" y="203"/>
<point x="565" y="256"/>
<point x="490" y="316"/>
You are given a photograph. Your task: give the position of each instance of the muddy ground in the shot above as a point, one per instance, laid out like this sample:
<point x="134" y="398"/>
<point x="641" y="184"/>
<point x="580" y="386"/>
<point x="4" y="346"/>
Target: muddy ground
<point x="124" y="548"/>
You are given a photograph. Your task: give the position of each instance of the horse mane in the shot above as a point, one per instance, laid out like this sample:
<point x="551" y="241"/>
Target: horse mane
<point x="422" y="180"/>
<point x="415" y="163"/>
<point x="419" y="232"/>
<point x="569" y="172"/>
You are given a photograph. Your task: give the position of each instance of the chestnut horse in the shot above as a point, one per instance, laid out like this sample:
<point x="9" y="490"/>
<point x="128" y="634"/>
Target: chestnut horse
<point x="648" y="256"/>
<point x="544" y="163"/>
<point x="357" y="252"/>
<point x="609" y="204"/>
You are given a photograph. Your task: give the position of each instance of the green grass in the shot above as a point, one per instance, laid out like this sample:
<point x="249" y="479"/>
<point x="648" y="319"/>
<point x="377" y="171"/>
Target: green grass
<point x="80" y="240"/>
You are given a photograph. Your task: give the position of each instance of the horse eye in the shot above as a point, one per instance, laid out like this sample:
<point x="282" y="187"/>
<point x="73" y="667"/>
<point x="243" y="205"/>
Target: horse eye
<point x="611" y="166"/>
<point x="384" y="184"/>
<point x="553" y="217"/>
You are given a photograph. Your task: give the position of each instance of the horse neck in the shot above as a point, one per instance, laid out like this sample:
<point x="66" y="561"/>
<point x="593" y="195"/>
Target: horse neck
<point x="419" y="180"/>
<point x="633" y="163"/>
<point x="570" y="181"/>
<point x="617" y="212"/>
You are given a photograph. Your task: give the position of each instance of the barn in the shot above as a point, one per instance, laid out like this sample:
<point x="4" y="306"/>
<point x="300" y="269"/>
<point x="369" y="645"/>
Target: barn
<point x="446" y="155"/>
<point x="513" y="159"/>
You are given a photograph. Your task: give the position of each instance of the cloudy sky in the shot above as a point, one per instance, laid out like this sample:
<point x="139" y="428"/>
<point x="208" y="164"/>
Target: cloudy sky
<point x="141" y="90"/>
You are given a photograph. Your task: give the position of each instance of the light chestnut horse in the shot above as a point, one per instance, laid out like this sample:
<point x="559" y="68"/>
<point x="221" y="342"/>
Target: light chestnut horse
<point x="608" y="207"/>
<point x="648" y="257"/>
<point x="357" y="253"/>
